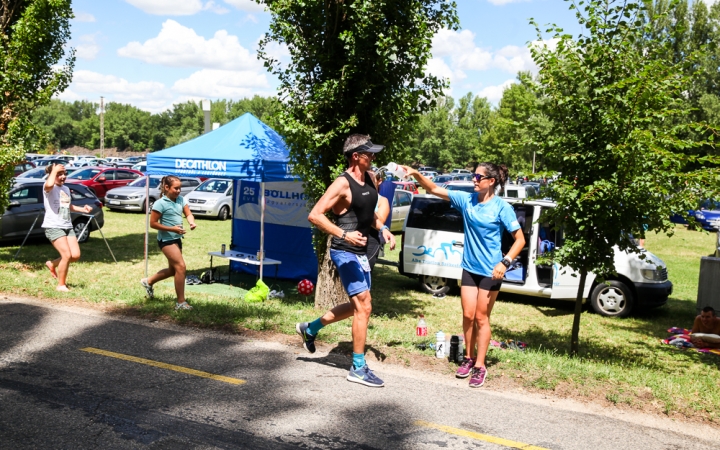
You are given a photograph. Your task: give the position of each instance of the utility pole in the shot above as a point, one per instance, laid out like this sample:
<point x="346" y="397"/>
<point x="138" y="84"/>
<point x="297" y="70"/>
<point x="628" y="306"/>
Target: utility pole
<point x="206" y="113"/>
<point x="102" y="128"/>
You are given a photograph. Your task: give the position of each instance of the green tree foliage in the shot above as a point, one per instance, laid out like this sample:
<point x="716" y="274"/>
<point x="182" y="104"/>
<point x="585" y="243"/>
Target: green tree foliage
<point x="448" y="135"/>
<point x="35" y="66"/>
<point x="618" y="136"/>
<point x="130" y="128"/>
<point x="506" y="140"/>
<point x="355" y="66"/>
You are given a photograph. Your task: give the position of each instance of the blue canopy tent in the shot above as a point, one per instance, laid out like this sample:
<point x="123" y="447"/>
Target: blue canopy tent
<point x="255" y="156"/>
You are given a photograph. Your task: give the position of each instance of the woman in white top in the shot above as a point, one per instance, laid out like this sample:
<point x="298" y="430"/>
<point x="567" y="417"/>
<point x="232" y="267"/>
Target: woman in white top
<point x="57" y="224"/>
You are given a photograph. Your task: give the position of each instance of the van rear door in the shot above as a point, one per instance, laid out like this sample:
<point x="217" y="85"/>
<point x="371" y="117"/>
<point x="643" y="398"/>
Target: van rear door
<point x="433" y="243"/>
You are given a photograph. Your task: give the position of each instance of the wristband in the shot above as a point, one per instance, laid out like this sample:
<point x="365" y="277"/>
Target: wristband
<point x="384" y="227"/>
<point x="342" y="238"/>
<point x="506" y="262"/>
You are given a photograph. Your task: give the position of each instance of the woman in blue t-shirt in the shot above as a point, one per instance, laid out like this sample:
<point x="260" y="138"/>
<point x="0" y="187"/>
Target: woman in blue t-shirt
<point x="167" y="217"/>
<point x="486" y="216"/>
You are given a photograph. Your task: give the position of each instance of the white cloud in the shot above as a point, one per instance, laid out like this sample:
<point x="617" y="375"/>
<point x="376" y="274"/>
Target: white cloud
<point x="209" y="83"/>
<point x="87" y="47"/>
<point x="710" y="2"/>
<point x="148" y="95"/>
<point x="494" y="93"/>
<point x="84" y="17"/>
<point x="246" y="5"/>
<point x="460" y="49"/>
<point x="179" y="46"/>
<point x="177" y="7"/>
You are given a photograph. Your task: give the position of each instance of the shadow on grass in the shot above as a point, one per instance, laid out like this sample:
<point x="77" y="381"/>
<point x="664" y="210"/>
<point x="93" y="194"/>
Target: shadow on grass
<point x="126" y="248"/>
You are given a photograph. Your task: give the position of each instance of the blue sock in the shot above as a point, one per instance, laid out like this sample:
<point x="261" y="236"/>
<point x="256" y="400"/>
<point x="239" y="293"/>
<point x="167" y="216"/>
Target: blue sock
<point x="314" y="327"/>
<point x="358" y="360"/>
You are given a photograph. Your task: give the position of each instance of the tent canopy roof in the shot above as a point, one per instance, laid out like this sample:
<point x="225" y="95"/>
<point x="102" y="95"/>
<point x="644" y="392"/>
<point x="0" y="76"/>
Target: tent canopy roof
<point x="244" y="148"/>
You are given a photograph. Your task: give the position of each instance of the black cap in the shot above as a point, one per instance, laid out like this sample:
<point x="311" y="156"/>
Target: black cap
<point x="368" y="147"/>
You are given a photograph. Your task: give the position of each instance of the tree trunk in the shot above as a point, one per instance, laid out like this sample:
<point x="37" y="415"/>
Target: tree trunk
<point x="575" y="338"/>
<point x="329" y="291"/>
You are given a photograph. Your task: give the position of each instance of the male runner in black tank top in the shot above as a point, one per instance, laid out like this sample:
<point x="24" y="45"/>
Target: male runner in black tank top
<point x="352" y="198"/>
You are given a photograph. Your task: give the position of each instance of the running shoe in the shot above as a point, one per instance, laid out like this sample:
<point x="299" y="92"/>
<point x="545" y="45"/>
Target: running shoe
<point x="465" y="367"/>
<point x="148" y="288"/>
<point x="364" y="376"/>
<point x="308" y="339"/>
<point x="477" y="378"/>
<point x="183" y="305"/>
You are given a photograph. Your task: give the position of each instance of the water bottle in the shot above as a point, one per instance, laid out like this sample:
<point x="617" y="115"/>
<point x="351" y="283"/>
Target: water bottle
<point x="421" y="329"/>
<point x="447" y="344"/>
<point x="461" y="349"/>
<point x="454" y="347"/>
<point x="396" y="170"/>
<point x="222" y="249"/>
<point x="439" y="344"/>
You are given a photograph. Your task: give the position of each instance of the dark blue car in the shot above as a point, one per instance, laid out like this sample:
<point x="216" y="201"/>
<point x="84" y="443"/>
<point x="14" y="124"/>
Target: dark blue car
<point x="707" y="215"/>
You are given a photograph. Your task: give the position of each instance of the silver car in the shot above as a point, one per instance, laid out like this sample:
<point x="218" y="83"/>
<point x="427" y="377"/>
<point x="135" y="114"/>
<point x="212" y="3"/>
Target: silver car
<point x="213" y="198"/>
<point x="400" y="209"/>
<point x="132" y="196"/>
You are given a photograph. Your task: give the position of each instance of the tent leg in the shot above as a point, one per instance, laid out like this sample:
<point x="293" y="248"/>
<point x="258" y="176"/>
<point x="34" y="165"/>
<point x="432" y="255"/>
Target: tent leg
<point x="147" y="220"/>
<point x="28" y="233"/>
<point x="262" y="228"/>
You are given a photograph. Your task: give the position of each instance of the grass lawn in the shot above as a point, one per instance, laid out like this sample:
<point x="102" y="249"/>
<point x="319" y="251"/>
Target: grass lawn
<point x="622" y="361"/>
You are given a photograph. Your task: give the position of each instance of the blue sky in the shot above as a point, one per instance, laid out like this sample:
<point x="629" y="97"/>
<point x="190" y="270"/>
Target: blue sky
<point x="153" y="53"/>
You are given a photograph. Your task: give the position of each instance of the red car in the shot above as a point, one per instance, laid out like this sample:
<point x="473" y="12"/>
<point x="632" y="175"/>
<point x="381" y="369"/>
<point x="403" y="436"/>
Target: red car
<point x="407" y="186"/>
<point x="101" y="179"/>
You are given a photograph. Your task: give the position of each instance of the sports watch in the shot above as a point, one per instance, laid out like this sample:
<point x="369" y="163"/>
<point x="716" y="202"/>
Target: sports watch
<point x="506" y="262"/>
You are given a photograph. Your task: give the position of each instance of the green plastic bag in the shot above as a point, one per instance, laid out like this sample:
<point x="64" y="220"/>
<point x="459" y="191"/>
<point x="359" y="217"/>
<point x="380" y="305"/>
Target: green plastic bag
<point x="258" y="293"/>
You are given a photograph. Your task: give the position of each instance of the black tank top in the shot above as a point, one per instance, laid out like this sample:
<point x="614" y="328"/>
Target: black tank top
<point x="359" y="216"/>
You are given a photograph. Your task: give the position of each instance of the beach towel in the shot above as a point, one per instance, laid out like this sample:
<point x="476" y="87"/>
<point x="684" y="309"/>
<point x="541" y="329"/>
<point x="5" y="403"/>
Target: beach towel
<point x="681" y="339"/>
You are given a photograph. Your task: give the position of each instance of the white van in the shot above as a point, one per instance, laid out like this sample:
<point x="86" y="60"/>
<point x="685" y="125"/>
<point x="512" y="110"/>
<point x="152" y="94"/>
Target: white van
<point x="432" y="250"/>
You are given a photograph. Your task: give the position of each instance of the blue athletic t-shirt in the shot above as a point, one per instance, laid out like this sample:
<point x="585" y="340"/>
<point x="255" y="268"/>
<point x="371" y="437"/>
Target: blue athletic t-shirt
<point x="171" y="216"/>
<point x="484" y="225"/>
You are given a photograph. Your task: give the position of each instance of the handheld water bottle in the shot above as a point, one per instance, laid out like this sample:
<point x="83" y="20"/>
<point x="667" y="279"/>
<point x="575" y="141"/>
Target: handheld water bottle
<point x="395" y="170"/>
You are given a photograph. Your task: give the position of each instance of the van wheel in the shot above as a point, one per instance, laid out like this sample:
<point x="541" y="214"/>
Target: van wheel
<point x="436" y="285"/>
<point x="612" y="299"/>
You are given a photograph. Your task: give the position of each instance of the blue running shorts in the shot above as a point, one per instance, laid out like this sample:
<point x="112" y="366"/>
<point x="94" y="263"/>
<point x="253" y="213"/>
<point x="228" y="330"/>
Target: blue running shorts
<point x="352" y="275"/>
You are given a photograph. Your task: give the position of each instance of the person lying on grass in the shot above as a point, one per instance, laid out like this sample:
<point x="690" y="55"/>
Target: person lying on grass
<point x="707" y="322"/>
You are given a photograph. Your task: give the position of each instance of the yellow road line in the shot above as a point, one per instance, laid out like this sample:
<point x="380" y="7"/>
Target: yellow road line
<point x="162" y="365"/>
<point x="478" y="436"/>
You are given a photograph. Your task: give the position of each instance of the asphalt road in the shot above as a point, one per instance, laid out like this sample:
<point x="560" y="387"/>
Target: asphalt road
<point x="55" y="395"/>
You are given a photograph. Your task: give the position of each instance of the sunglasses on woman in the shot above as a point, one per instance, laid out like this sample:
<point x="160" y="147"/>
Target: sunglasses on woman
<point x="480" y="177"/>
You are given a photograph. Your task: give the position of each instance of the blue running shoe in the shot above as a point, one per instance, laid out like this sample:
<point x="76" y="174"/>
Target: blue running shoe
<point x="364" y="376"/>
<point x="308" y="339"/>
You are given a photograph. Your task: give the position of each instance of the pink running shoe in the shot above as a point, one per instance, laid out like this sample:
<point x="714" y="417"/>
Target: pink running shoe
<point x="465" y="367"/>
<point x="478" y="377"/>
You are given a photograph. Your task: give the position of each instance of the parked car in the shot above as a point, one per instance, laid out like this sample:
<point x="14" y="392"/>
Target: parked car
<point x="444" y="178"/>
<point x="460" y="186"/>
<point x="428" y="173"/>
<point x="112" y="159"/>
<point x="134" y="159"/>
<point x="427" y="169"/>
<point x="432" y="250"/>
<point x="35" y="174"/>
<point x="140" y="167"/>
<point x="23" y="167"/>
<point x="707" y="215"/>
<point x="459" y="171"/>
<point x="213" y="198"/>
<point x="26" y="204"/>
<point x="102" y="179"/>
<point x="515" y="191"/>
<point x="409" y="186"/>
<point x="400" y="207"/>
<point x="132" y="196"/>
<point x="49" y="161"/>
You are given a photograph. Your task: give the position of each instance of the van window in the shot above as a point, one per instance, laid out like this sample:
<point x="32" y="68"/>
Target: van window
<point x="27" y="195"/>
<point x="434" y="214"/>
<point x="512" y="193"/>
<point x="524" y="214"/>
